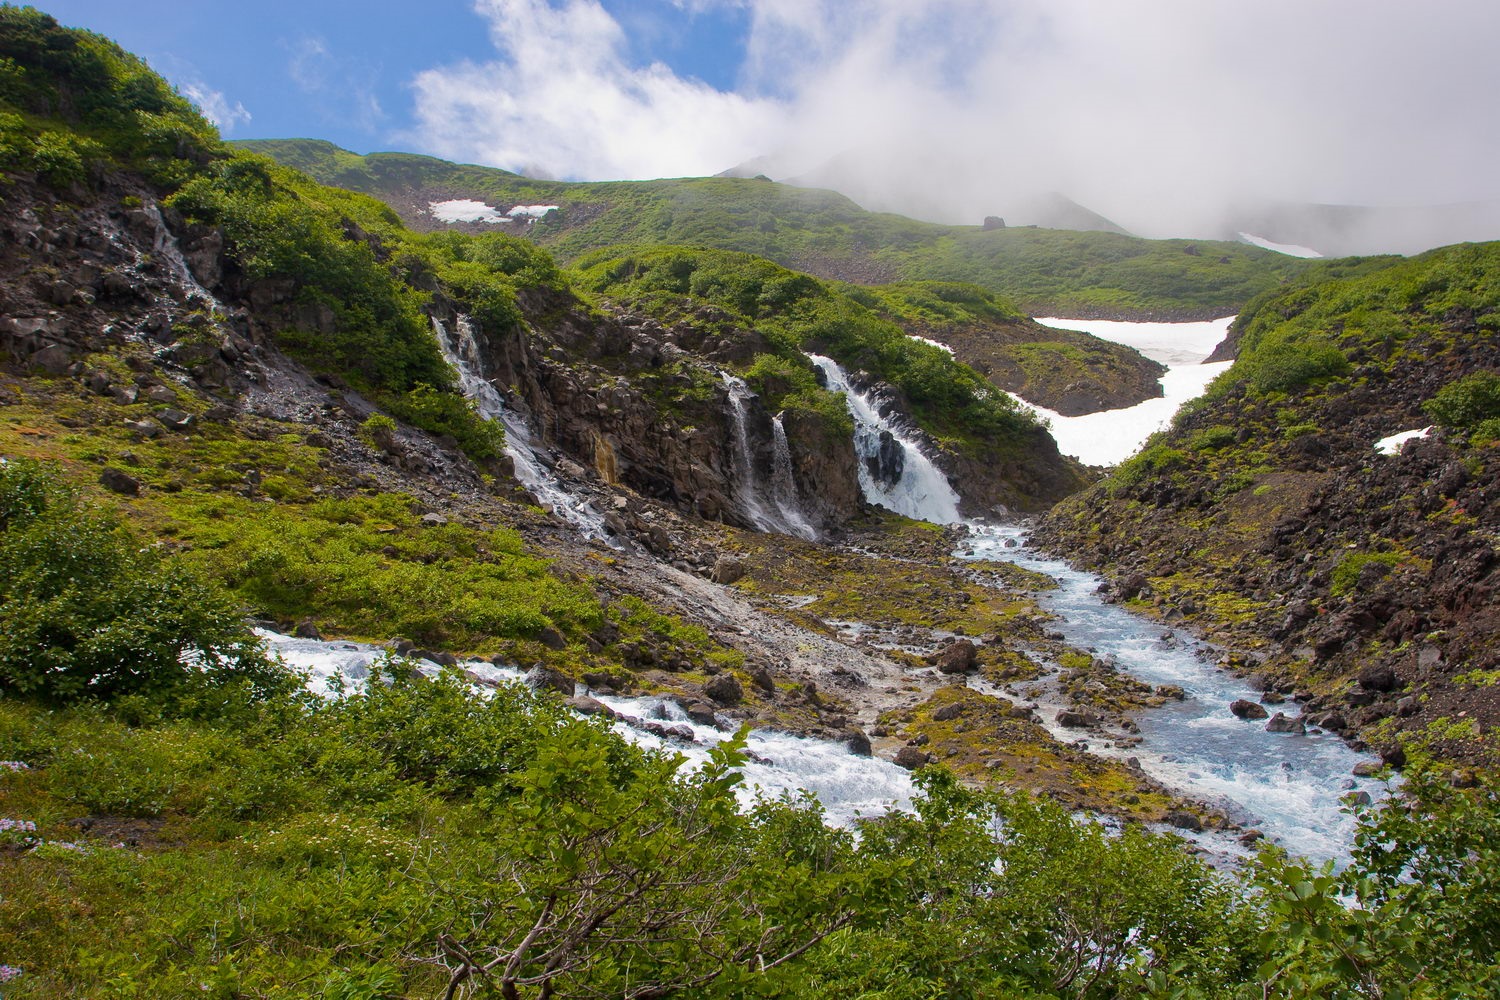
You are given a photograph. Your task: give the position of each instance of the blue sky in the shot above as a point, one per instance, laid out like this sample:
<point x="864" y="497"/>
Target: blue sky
<point x="342" y="69"/>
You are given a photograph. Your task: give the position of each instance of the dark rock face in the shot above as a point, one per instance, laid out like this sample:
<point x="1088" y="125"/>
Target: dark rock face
<point x="1378" y="678"/>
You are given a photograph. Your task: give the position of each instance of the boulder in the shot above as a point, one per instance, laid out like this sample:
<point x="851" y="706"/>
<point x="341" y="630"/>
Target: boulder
<point x="724" y="689"/>
<point x="1070" y="719"/>
<point x="1184" y="821"/>
<point x="701" y="712"/>
<point x="119" y="482"/>
<point x="1283" y="723"/>
<point x="957" y="657"/>
<point x="948" y="712"/>
<point x="761" y="677"/>
<point x="1378" y="678"/>
<point x="307" y="629"/>
<point x="584" y="705"/>
<point x="1366" y="769"/>
<point x="858" y="743"/>
<point x="544" y="678"/>
<point x="910" y="758"/>
<point x="727" y="569"/>
<point x="53" y="359"/>
<point x="1244" y="709"/>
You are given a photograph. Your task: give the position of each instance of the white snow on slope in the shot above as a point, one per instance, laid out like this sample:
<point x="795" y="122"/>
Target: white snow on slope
<point x="464" y="210"/>
<point x="1392" y="445"/>
<point x="1290" y="249"/>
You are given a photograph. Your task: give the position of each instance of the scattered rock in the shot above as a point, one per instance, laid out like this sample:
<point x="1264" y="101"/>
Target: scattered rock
<point x="762" y="679"/>
<point x="544" y="678"/>
<point x="1408" y="706"/>
<point x="307" y="629"/>
<point x="119" y="482"/>
<point x="724" y="689"/>
<point x="858" y="743"/>
<point x="1366" y="769"/>
<point x="1245" y="709"/>
<point x="948" y="712"/>
<point x="727" y="569"/>
<point x="1283" y="723"/>
<point x="1394" y="756"/>
<point x="911" y="758"/>
<point x="701" y="712"/>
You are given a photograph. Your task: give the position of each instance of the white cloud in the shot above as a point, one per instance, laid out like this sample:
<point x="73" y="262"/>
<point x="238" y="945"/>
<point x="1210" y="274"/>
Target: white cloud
<point x="1158" y="112"/>
<point x="216" y="107"/>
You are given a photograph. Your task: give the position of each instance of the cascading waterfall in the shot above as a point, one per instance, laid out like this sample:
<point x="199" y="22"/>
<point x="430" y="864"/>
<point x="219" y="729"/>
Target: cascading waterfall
<point x="893" y="471"/>
<point x="786" y="517"/>
<point x="848" y="786"/>
<point x="461" y="350"/>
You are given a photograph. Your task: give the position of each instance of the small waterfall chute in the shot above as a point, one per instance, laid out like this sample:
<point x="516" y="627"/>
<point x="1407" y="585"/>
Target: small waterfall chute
<point x="461" y="350"/>
<point x="894" y="472"/>
<point x="784" y="514"/>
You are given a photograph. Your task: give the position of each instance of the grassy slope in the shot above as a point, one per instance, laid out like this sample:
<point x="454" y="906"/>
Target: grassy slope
<point x="824" y="233"/>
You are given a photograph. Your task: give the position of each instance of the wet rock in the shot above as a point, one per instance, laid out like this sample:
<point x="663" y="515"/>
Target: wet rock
<point x="119" y="482"/>
<point x="1184" y="821"/>
<point x="911" y="758"/>
<point x="1251" y="837"/>
<point x="584" y="705"/>
<point x="1245" y="709"/>
<point x="1332" y="721"/>
<point x="1394" y="756"/>
<point x="724" y="689"/>
<point x="701" y="712"/>
<point x="544" y="678"/>
<point x="1070" y="719"/>
<point x="1283" y="723"/>
<point x="1366" y="769"/>
<point x="307" y="629"/>
<point x="1359" y="799"/>
<point x="957" y="658"/>
<point x="858" y="743"/>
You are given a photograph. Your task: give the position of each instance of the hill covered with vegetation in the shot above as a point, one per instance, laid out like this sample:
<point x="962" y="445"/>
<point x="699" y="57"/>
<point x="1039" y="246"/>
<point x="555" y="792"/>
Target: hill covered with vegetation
<point x="223" y="400"/>
<point x="1046" y="271"/>
<point x="1363" y="580"/>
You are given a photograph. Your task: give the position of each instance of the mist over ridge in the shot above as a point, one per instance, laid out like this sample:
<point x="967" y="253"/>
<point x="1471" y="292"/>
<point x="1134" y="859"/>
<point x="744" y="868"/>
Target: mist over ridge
<point x="1168" y="119"/>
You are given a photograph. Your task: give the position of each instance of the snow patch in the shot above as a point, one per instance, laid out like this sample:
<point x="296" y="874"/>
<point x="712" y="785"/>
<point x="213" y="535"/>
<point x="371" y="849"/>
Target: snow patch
<point x="1290" y="249"/>
<point x="464" y="210"/>
<point x="1170" y="343"/>
<point x="931" y="343"/>
<point x="531" y="211"/>
<point x="1392" y="445"/>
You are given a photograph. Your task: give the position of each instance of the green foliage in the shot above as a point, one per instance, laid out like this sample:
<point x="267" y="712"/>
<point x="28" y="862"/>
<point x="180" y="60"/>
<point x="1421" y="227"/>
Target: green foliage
<point x="1152" y="460"/>
<point x="370" y="567"/>
<point x="88" y="615"/>
<point x="1466" y="403"/>
<point x="453" y="415"/>
<point x="1280" y="365"/>
<point x="1212" y="438"/>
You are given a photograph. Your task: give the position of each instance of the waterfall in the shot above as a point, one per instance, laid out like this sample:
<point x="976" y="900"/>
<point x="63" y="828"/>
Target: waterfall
<point x="461" y="350"/>
<point x="786" y="517"/>
<point x="893" y="471"/>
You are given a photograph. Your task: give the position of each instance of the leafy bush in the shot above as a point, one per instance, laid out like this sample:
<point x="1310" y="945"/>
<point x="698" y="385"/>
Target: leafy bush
<point x="87" y="614"/>
<point x="1212" y="438"/>
<point x="1346" y="574"/>
<point x="451" y="414"/>
<point x="1466" y="403"/>
<point x="1287" y="366"/>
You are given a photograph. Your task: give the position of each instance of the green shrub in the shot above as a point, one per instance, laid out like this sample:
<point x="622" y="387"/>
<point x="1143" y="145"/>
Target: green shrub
<point x="1465" y="404"/>
<point x="1289" y="366"/>
<point x="1212" y="438"/>
<point x="87" y="614"/>
<point x="1346" y="573"/>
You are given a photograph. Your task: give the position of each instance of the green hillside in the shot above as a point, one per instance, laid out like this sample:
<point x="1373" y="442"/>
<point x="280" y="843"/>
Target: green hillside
<point x="1046" y="271"/>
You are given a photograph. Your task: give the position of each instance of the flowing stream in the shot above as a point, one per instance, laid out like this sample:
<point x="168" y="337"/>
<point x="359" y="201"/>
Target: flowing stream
<point x="847" y="786"/>
<point x="1288" y="786"/>
<point x="461" y="350"/>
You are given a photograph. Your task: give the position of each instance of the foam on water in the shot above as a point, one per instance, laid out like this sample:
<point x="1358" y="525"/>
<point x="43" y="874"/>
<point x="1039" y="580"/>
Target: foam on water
<point x="847" y="786"/>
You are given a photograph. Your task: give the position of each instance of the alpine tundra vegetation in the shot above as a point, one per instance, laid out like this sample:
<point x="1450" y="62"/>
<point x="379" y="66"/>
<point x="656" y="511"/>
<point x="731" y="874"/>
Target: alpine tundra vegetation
<point x="396" y="608"/>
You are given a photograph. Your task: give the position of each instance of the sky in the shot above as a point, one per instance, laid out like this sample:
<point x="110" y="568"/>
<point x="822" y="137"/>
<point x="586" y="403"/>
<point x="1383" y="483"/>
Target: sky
<point x="1157" y="113"/>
